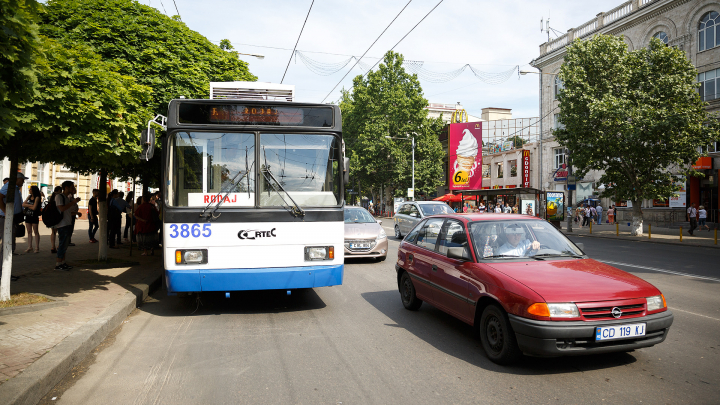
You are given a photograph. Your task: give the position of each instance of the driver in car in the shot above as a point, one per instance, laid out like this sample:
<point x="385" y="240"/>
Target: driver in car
<point x="516" y="245"/>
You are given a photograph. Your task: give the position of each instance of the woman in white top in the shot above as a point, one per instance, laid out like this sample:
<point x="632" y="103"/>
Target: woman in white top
<point x="702" y="218"/>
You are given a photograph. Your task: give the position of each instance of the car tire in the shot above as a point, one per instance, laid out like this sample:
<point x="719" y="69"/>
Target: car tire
<point x="497" y="336"/>
<point x="398" y="235"/>
<point x="407" y="293"/>
<point x="381" y="258"/>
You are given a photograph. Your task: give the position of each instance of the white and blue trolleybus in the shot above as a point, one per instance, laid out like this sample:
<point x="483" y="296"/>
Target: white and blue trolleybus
<point x="253" y="195"/>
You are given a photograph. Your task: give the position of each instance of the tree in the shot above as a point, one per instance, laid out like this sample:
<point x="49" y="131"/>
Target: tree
<point x="636" y="115"/>
<point x="389" y="102"/>
<point x="84" y="115"/>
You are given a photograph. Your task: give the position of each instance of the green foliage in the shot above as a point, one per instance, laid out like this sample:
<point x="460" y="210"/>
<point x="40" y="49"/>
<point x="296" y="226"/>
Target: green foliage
<point x="84" y="115"/>
<point x="158" y="51"/>
<point x="389" y="102"/>
<point x="19" y="43"/>
<point x="517" y="141"/>
<point x="635" y="115"/>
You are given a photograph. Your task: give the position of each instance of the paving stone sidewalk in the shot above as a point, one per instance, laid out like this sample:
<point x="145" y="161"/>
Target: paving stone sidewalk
<point x="659" y="234"/>
<point x="25" y="337"/>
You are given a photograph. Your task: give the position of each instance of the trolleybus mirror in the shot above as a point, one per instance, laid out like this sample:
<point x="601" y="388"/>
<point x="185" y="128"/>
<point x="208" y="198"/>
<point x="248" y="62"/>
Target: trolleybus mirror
<point x="147" y="141"/>
<point x="346" y="171"/>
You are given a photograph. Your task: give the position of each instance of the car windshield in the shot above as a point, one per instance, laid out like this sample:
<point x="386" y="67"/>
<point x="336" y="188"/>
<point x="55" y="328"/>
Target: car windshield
<point x="435" y="209"/>
<point x="520" y="238"/>
<point x="357" y="215"/>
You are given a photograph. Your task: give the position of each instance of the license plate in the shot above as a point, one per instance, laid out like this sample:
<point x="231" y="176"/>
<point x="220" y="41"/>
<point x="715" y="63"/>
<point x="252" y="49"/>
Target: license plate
<point x="359" y="246"/>
<point x="619" y="332"/>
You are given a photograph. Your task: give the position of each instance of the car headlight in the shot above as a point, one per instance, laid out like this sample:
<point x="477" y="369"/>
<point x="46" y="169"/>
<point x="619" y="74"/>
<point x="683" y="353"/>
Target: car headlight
<point x="561" y="310"/>
<point x="382" y="235"/>
<point x="656" y="302"/>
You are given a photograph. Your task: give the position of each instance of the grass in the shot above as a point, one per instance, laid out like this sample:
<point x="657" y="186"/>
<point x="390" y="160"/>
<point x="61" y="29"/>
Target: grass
<point x="23" y="298"/>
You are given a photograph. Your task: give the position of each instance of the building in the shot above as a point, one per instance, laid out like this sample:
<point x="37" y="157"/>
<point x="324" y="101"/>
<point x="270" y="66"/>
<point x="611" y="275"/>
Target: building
<point x="445" y="112"/>
<point x="690" y="25"/>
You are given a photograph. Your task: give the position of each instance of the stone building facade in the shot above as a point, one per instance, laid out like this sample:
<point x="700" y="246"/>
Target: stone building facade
<point x="690" y="25"/>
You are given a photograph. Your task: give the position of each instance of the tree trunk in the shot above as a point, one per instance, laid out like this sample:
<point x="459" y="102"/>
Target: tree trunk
<point x="8" y="232"/>
<point x="637" y="219"/>
<point x="102" y="217"/>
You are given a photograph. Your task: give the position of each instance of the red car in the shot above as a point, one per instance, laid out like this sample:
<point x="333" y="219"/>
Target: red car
<point x="527" y="288"/>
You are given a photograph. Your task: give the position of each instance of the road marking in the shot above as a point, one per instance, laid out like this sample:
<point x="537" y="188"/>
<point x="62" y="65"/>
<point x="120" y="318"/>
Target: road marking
<point x="688" y="312"/>
<point x="677" y="273"/>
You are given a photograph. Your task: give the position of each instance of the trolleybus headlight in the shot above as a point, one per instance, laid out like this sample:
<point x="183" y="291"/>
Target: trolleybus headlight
<point x="193" y="256"/>
<point x="313" y="253"/>
<point x="198" y="256"/>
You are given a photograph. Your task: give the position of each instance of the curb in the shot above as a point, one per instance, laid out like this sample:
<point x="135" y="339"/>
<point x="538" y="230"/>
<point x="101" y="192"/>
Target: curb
<point x="37" y="380"/>
<point x="644" y="240"/>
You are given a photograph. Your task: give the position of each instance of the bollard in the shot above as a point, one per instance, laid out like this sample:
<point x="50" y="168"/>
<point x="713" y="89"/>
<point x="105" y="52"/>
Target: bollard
<point x="617" y="229"/>
<point x="590" y="227"/>
<point x="681" y="234"/>
<point x="649" y="231"/>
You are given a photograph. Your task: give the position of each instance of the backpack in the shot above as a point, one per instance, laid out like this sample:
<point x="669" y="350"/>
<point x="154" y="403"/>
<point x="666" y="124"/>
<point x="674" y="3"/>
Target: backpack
<point x="51" y="215"/>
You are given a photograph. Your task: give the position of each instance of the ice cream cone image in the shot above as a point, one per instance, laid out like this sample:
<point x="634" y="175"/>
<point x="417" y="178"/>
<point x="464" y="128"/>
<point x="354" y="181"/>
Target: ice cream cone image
<point x="465" y="163"/>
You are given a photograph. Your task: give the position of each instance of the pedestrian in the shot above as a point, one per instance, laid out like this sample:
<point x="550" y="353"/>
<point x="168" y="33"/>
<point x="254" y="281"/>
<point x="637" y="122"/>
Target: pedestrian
<point x="75" y="214"/>
<point x="515" y="209"/>
<point x="17" y="212"/>
<point x="57" y="190"/>
<point x="32" y="218"/>
<point x="586" y="216"/>
<point x="498" y="208"/>
<point x="599" y="211"/>
<point x="129" y="209"/>
<point x="93" y="216"/>
<point x="611" y="215"/>
<point x="481" y="207"/>
<point x="67" y="207"/>
<point x="121" y="205"/>
<point x="692" y="218"/>
<point x="702" y="217"/>
<point x="114" y="220"/>
<point x="145" y="228"/>
<point x="593" y="214"/>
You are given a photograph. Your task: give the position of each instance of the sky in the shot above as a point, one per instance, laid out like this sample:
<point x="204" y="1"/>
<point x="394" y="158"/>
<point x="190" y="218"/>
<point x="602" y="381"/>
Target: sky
<point x="493" y="36"/>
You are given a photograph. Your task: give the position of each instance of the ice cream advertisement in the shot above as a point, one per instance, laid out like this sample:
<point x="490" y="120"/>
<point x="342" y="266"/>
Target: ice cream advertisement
<point x="465" y="156"/>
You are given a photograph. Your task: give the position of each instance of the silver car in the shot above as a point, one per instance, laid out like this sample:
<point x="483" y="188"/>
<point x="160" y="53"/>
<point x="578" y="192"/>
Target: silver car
<point x="364" y="237"/>
<point x="412" y="212"/>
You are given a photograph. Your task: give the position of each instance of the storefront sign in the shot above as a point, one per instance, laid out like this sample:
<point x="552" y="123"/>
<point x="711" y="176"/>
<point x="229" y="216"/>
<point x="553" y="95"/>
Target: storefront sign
<point x="704" y="163"/>
<point x="555" y="206"/>
<point x="526" y="168"/>
<point x="561" y="173"/>
<point x="465" y="156"/>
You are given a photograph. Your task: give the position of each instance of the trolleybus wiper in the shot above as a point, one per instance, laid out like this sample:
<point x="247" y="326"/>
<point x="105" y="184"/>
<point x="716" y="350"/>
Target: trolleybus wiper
<point x="220" y="200"/>
<point x="295" y="210"/>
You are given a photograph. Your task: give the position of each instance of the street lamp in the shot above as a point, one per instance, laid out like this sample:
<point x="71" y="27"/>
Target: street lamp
<point x="252" y="54"/>
<point x="413" y="157"/>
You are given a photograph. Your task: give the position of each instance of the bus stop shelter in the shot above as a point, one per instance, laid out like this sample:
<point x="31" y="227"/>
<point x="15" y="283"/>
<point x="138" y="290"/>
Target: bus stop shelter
<point x="513" y="196"/>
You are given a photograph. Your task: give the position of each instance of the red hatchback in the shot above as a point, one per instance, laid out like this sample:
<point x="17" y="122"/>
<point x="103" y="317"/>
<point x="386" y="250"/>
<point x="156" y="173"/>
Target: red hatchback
<point x="527" y="288"/>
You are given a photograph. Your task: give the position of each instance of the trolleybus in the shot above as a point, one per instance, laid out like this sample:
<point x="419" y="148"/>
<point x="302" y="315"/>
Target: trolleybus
<point x="253" y="195"/>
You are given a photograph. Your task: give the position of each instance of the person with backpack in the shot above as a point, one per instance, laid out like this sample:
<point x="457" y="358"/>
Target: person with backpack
<point x="17" y="210"/>
<point x="65" y="206"/>
<point x="46" y="217"/>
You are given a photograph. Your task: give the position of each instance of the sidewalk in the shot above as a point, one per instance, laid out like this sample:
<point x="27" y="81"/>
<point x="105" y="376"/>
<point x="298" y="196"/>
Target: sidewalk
<point x="82" y="294"/>
<point x="659" y="234"/>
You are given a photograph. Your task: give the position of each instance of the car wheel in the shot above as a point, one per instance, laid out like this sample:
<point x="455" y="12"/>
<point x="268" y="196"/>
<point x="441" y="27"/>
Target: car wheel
<point x="381" y="258"/>
<point x="497" y="336"/>
<point x="407" y="293"/>
<point x="398" y="235"/>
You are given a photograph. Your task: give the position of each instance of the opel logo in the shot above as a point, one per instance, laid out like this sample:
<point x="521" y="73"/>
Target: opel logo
<point x="616" y="312"/>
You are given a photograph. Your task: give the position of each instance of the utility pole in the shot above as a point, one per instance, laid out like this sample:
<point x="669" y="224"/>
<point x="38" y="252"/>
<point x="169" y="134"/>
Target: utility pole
<point x="570" y="191"/>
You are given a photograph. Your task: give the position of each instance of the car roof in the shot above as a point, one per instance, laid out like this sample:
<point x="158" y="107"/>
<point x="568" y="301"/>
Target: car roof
<point x="471" y="217"/>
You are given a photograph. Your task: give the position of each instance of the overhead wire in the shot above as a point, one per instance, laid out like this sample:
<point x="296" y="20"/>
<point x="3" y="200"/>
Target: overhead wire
<point x="176" y="10"/>
<point x="298" y="40"/>
<point x="366" y="51"/>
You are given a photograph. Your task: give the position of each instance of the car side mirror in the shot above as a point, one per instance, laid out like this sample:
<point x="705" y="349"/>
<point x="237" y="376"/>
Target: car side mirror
<point x="459" y="253"/>
<point x="346" y="171"/>
<point x="379" y="221"/>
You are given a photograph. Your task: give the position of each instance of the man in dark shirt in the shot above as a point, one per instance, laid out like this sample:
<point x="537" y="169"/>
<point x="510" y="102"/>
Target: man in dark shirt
<point x="93" y="216"/>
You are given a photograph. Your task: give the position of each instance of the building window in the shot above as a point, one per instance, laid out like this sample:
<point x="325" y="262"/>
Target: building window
<point x="558" y="87"/>
<point x="709" y="85"/>
<point x="559" y="157"/>
<point x="709" y="31"/>
<point x="500" y="173"/>
<point x="556" y="123"/>
<point x="513" y="167"/>
<point x="662" y="36"/>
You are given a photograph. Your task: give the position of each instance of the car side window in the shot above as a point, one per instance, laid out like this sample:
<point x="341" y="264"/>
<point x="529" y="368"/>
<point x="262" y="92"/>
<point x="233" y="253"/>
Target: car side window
<point x="428" y="235"/>
<point x="453" y="235"/>
<point x="404" y="209"/>
<point x="414" y="211"/>
<point x="412" y="236"/>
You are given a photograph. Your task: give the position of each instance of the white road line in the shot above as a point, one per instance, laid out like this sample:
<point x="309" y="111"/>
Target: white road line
<point x="693" y="313"/>
<point x="677" y="273"/>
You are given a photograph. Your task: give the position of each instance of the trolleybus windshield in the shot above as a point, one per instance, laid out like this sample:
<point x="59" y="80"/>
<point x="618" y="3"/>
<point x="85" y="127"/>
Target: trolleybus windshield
<point x="207" y="167"/>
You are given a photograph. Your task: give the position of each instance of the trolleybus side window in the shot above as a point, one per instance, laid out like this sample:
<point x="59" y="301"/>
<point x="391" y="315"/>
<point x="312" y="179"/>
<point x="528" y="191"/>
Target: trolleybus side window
<point x="306" y="167"/>
<point x="208" y="166"/>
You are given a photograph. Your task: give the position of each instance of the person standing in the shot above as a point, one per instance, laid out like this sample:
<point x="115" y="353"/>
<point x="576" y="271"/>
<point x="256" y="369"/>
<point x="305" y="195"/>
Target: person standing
<point x="593" y="214"/>
<point x="114" y="220"/>
<point x="702" y="218"/>
<point x="120" y="205"/>
<point x="32" y="218"/>
<point x="599" y="211"/>
<point x="611" y="215"/>
<point x="692" y="218"/>
<point x="145" y="214"/>
<point x="67" y="207"/>
<point x="57" y="190"/>
<point x="93" y="215"/>
<point x="17" y="210"/>
<point x="75" y="214"/>
<point x="129" y="209"/>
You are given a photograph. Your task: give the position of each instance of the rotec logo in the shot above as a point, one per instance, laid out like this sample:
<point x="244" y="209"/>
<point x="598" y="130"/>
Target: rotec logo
<point x="253" y="234"/>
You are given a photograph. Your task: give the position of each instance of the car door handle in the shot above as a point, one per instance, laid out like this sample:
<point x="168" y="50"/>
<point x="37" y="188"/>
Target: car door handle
<point x="434" y="267"/>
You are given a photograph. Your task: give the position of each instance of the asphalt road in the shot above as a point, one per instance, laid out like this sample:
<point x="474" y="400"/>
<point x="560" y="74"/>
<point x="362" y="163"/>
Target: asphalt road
<point x="356" y="343"/>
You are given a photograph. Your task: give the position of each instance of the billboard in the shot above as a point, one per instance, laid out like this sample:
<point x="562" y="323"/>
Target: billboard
<point x="465" y="156"/>
<point x="555" y="206"/>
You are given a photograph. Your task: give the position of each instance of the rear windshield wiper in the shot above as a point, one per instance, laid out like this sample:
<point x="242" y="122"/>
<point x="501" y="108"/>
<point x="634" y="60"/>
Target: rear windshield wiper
<point x="295" y="209"/>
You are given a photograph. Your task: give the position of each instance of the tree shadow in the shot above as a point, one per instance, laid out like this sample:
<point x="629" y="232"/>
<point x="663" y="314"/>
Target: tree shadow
<point x="240" y="302"/>
<point x="457" y="339"/>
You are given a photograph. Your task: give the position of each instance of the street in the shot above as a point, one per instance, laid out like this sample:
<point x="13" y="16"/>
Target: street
<point x="355" y="343"/>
